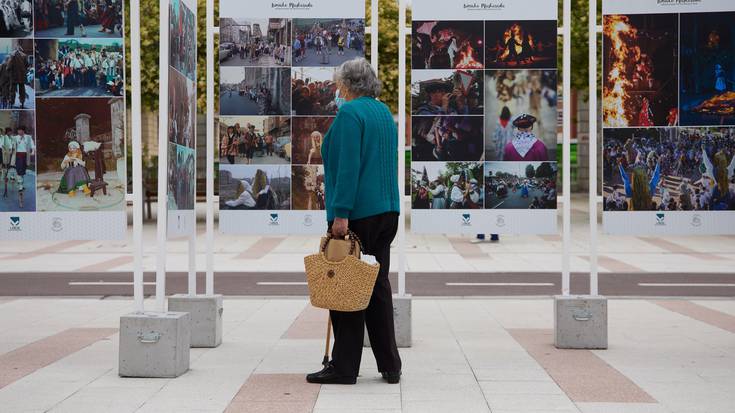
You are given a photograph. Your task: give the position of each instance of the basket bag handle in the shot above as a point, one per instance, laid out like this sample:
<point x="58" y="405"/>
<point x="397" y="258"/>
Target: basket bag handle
<point x="354" y="242"/>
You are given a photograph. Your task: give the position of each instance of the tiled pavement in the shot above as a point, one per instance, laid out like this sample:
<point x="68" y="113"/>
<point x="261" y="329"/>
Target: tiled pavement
<point x="489" y="355"/>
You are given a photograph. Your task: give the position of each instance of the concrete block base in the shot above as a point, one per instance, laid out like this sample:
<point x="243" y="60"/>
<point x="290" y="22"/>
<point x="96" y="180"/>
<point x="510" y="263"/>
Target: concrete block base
<point x="580" y="322"/>
<point x="154" y="344"/>
<point x="206" y="317"/>
<point x="402" y="320"/>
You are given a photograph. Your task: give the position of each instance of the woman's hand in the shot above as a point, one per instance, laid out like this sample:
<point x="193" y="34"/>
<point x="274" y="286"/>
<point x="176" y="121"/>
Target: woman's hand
<point x="339" y="227"/>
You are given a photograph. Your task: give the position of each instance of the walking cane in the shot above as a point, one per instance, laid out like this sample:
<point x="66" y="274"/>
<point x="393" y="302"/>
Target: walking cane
<point x="325" y="360"/>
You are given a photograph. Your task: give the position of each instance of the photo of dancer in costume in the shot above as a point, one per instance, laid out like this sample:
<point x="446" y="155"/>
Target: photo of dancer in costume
<point x="308" y="137"/>
<point x="182" y="34"/>
<point x="520" y="185"/>
<point x="640" y="70"/>
<point x="181" y="109"/>
<point x="255" y="91"/>
<point x="314" y="91"/>
<point x="78" y="18"/>
<point x="16" y="74"/>
<point x="255" y="42"/>
<point x="447" y="92"/>
<point x="255" y="140"/>
<point x="255" y="187"/>
<point x="18" y="163"/>
<point x="327" y="42"/>
<point x="520" y="44"/>
<point x="308" y="188"/>
<point x="447" y="185"/>
<point x="447" y="45"/>
<point x="447" y="138"/>
<point x="16" y="18"/>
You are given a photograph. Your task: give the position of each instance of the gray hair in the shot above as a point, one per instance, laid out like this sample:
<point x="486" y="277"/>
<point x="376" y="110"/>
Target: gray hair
<point x="358" y="76"/>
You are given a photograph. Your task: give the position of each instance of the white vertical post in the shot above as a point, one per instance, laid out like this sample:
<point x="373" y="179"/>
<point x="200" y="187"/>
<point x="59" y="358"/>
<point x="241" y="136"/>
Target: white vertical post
<point x="210" y="150"/>
<point x="192" y="279"/>
<point x="162" y="213"/>
<point x="137" y="154"/>
<point x="566" y="151"/>
<point x="374" y="34"/>
<point x="402" y="145"/>
<point x="594" y="289"/>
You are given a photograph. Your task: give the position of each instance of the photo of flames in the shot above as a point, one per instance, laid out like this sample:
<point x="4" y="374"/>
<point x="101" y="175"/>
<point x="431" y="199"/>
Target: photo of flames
<point x="520" y="44"/>
<point x="640" y="68"/>
<point x="447" y="45"/>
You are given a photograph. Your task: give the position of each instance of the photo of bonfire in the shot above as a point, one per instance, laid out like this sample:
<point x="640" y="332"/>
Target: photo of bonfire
<point x="447" y="45"/>
<point x="640" y="67"/>
<point x="520" y="44"/>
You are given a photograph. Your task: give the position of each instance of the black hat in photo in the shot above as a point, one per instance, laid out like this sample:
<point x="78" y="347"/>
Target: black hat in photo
<point x="524" y="121"/>
<point x="437" y="86"/>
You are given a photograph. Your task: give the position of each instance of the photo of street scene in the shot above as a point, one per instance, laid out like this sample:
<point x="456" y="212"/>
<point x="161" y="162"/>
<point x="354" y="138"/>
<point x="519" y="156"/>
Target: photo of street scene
<point x="16" y="74"/>
<point x="520" y="185"/>
<point x="327" y="42"/>
<point x="446" y="185"/>
<point x="78" y="18"/>
<point x="314" y="91"/>
<point x="308" y="188"/>
<point x="255" y="91"/>
<point x="446" y="138"/>
<point x="520" y="44"/>
<point x="447" y="45"/>
<point x="182" y="36"/>
<point x="18" y="163"/>
<point x="181" y="177"/>
<point x="447" y="92"/>
<point x="308" y="135"/>
<point x="255" y="42"/>
<point x="258" y="140"/>
<point x="255" y="187"/>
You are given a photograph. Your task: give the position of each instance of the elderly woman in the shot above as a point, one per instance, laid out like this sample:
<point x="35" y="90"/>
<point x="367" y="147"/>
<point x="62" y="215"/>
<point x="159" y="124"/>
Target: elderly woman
<point x="361" y="185"/>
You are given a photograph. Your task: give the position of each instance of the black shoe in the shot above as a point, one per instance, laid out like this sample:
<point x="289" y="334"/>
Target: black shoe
<point x="328" y="376"/>
<point x="392" y="377"/>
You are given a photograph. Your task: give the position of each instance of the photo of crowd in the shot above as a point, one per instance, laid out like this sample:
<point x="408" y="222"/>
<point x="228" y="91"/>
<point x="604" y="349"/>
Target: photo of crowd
<point x="520" y="185"/>
<point x="520" y="44"/>
<point x="446" y="185"/>
<point x="308" y="136"/>
<point x="18" y="163"/>
<point x="314" y="91"/>
<point x="521" y="115"/>
<point x="327" y="42"/>
<point x="16" y="74"/>
<point x="669" y="169"/>
<point x="255" y="91"/>
<point x="78" y="18"/>
<point x="255" y="42"/>
<point x="16" y="18"/>
<point x="447" y="92"/>
<point x="181" y="109"/>
<point x="255" y="187"/>
<point x="181" y="177"/>
<point x="640" y="70"/>
<point x="447" y="45"/>
<point x="255" y="140"/>
<point x="182" y="34"/>
<point x="447" y="138"/>
<point x="308" y="188"/>
<point x="80" y="67"/>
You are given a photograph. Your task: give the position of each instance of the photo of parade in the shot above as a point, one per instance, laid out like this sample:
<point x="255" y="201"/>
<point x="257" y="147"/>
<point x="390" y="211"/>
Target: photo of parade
<point x="520" y="44"/>
<point x="308" y="136"/>
<point x="181" y="177"/>
<point x="640" y="70"/>
<point x="255" y="187"/>
<point x="16" y="18"/>
<point x="80" y="67"/>
<point x="78" y="18"/>
<point x="707" y="69"/>
<point x="446" y="185"/>
<point x="18" y="167"/>
<point x="16" y="74"/>
<point x="447" y="45"/>
<point x="308" y="188"/>
<point x="182" y="110"/>
<point x="447" y="92"/>
<point x="520" y="185"/>
<point x="520" y="115"/>
<point x="81" y="154"/>
<point x="182" y="36"/>
<point x="669" y="169"/>
<point x="255" y="140"/>
<point x="447" y="138"/>
<point x="327" y="42"/>
<point x="255" y="42"/>
<point x="255" y="91"/>
<point x="314" y="91"/>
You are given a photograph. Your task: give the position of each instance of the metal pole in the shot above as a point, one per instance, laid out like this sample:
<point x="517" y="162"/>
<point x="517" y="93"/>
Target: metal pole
<point x="162" y="217"/>
<point x="594" y="289"/>
<point x="374" y="34"/>
<point x="210" y="150"/>
<point x="402" y="145"/>
<point x="137" y="155"/>
<point x="566" y="145"/>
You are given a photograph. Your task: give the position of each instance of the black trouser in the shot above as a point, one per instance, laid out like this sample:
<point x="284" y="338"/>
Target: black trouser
<point x="376" y="234"/>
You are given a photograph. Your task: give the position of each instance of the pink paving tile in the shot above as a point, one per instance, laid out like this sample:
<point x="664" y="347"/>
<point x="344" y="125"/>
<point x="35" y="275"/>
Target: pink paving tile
<point x="613" y="265"/>
<point x="25" y="360"/>
<point x="551" y="238"/>
<point x="675" y="248"/>
<point x="310" y="324"/>
<point x="51" y="249"/>
<point x="275" y="393"/>
<point x="261" y="248"/>
<point x="106" y="265"/>
<point x="700" y="313"/>
<point x="467" y="249"/>
<point x="270" y="407"/>
<point x="582" y="375"/>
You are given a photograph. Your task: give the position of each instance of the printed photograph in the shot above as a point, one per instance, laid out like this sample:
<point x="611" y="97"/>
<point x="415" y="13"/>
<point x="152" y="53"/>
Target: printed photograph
<point x="182" y="37"/>
<point x="17" y="18"/>
<point x="255" y="42"/>
<point x="447" y="138"/>
<point x="255" y="187"/>
<point x="255" y="91"/>
<point x="640" y="70"/>
<point x="78" y="18"/>
<point x="707" y="69"/>
<point x="447" y="92"/>
<point x="521" y="115"/>
<point x="447" y="45"/>
<point x="327" y="42"/>
<point x="255" y="140"/>
<point x="181" y="177"/>
<point x="308" y="188"/>
<point x="16" y="74"/>
<point x="669" y="169"/>
<point x="182" y="109"/>
<point x="520" y="44"/>
<point x="81" y="154"/>
<point x="314" y="91"/>
<point x="446" y="185"/>
<point x="520" y="185"/>
<point x="80" y="67"/>
<point x="18" y="167"/>
<point x="308" y="135"/>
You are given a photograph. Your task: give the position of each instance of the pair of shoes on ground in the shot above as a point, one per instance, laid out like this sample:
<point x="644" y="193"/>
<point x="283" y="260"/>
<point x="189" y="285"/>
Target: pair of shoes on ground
<point x="329" y="376"/>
